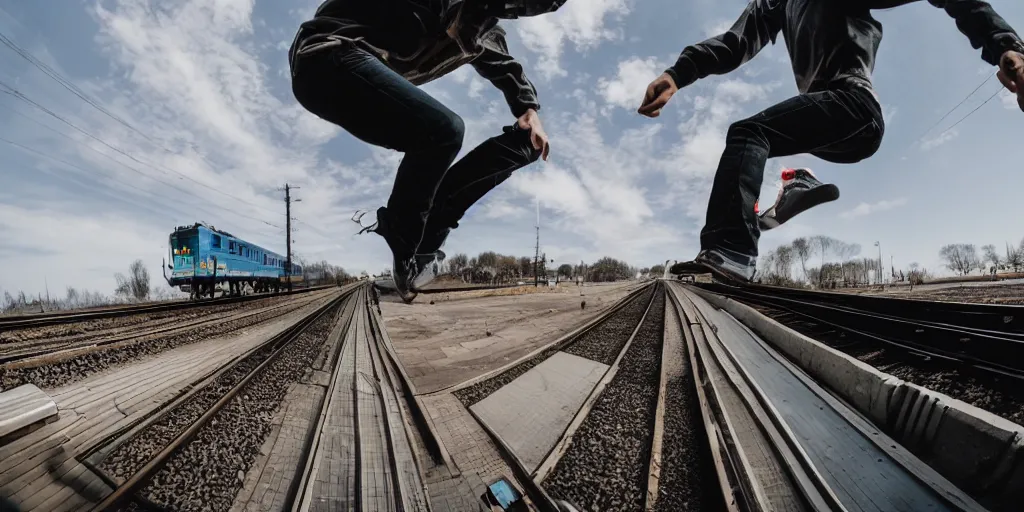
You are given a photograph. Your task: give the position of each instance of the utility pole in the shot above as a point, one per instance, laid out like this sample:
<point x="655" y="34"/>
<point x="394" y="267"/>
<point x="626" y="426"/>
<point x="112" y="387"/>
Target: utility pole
<point x="536" y="249"/>
<point x="288" y="231"/>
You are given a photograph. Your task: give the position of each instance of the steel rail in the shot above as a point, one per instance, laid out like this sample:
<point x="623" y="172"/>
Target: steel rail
<point x="55" y="347"/>
<point x="281" y="342"/>
<point x="45" y="319"/>
<point x="998" y="353"/>
<point x="987" y="318"/>
<point x="741" y="482"/>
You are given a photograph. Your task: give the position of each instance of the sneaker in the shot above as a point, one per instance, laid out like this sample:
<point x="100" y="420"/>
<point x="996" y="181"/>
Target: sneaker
<point x="800" y="192"/>
<point x="722" y="263"/>
<point x="402" y="272"/>
<point x="427" y="269"/>
<point x="404" y="263"/>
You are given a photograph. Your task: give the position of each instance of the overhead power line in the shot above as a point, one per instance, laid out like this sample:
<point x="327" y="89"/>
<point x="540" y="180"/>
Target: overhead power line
<point x="71" y="87"/>
<point x="944" y="116"/>
<point x="971" y="112"/>
<point x="133" y="169"/>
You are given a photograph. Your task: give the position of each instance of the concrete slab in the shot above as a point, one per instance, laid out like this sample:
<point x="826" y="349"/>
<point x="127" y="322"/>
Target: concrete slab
<point x="532" y="412"/>
<point x="446" y="343"/>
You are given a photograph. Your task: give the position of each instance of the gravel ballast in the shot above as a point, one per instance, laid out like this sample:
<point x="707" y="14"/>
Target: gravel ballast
<point x="603" y="345"/>
<point x="593" y="343"/>
<point x="65" y="371"/>
<point x="207" y="473"/>
<point x="688" y="478"/>
<point x="606" y="466"/>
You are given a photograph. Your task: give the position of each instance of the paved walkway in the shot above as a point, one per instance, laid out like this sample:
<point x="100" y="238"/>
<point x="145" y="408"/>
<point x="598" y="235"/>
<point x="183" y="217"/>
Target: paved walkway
<point x="447" y="343"/>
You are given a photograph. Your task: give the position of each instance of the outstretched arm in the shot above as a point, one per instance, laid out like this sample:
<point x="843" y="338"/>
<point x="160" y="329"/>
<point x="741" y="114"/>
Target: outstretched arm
<point x="497" y="66"/>
<point x="756" y="27"/>
<point x="1000" y="45"/>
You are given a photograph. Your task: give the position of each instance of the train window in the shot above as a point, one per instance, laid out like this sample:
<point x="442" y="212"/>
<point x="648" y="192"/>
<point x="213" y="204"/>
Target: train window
<point x="215" y="241"/>
<point x="264" y="259"/>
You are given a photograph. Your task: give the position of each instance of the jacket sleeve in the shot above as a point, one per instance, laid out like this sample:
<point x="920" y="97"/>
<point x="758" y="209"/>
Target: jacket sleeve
<point x="755" y="28"/>
<point x="497" y="66"/>
<point x="985" y="29"/>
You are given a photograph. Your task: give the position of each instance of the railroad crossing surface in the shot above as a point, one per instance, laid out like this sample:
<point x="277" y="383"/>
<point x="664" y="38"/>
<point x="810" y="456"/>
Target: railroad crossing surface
<point x="632" y="396"/>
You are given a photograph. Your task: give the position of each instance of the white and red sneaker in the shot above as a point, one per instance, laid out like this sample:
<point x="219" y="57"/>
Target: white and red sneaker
<point x="800" y="192"/>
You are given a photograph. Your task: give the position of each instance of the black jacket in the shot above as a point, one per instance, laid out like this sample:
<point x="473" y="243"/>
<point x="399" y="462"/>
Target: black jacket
<point x="830" y="40"/>
<point x="410" y="37"/>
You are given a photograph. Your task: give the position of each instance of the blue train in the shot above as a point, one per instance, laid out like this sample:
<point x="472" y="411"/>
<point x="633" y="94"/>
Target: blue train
<point x="203" y="257"/>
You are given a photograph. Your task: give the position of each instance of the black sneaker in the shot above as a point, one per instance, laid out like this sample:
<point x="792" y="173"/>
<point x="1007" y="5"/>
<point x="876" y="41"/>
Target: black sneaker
<point x="722" y="263"/>
<point x="800" y="192"/>
<point x="403" y="268"/>
<point x="402" y="272"/>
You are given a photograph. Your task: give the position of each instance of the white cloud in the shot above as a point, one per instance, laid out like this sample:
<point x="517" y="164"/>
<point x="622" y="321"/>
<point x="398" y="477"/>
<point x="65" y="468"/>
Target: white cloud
<point x="627" y="88"/>
<point x="719" y="27"/>
<point x="584" y="24"/>
<point x="864" y="209"/>
<point x="938" y="140"/>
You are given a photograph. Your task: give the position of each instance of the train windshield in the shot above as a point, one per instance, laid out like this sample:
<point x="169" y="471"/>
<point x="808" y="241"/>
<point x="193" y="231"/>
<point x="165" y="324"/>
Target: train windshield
<point x="184" y="246"/>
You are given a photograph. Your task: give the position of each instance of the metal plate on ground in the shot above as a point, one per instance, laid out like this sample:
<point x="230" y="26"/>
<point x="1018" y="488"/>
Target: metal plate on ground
<point x="22" y="407"/>
<point x="531" y="412"/>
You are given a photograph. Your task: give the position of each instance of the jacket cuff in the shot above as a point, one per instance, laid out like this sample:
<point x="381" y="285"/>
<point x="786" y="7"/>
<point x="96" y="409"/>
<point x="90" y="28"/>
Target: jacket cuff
<point x="520" y="108"/>
<point x="683" y="73"/>
<point x="1003" y="44"/>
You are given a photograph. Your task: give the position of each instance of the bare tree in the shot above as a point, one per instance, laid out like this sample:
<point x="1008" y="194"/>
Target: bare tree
<point x="823" y="245"/>
<point x="803" y="252"/>
<point x="136" y="284"/>
<point x="1014" y="258"/>
<point x="960" y="258"/>
<point x="457" y="263"/>
<point x="991" y="256"/>
<point x="784" y="262"/>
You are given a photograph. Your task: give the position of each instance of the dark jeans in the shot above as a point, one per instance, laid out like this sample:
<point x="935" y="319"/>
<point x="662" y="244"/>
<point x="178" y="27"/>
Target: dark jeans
<point x="353" y="89"/>
<point x="842" y="125"/>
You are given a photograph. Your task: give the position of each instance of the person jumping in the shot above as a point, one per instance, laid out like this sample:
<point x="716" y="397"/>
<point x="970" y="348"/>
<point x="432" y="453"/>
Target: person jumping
<point x="358" y="63"/>
<point x="836" y="117"/>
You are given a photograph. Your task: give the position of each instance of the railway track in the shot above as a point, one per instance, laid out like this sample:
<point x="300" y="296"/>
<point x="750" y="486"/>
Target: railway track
<point x="11" y="354"/>
<point x="135" y="462"/>
<point x="780" y="440"/>
<point x="359" y="452"/>
<point x="11" y="322"/>
<point x="688" y="409"/>
<point x="361" y="455"/>
<point x="988" y="338"/>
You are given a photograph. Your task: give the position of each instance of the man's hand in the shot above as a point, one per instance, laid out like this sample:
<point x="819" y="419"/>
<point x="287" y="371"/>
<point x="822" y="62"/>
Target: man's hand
<point x="531" y="121"/>
<point x="658" y="94"/>
<point x="1011" y="74"/>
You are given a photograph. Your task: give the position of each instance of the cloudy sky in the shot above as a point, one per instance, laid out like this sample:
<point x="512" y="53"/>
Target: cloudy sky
<point x="151" y="114"/>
